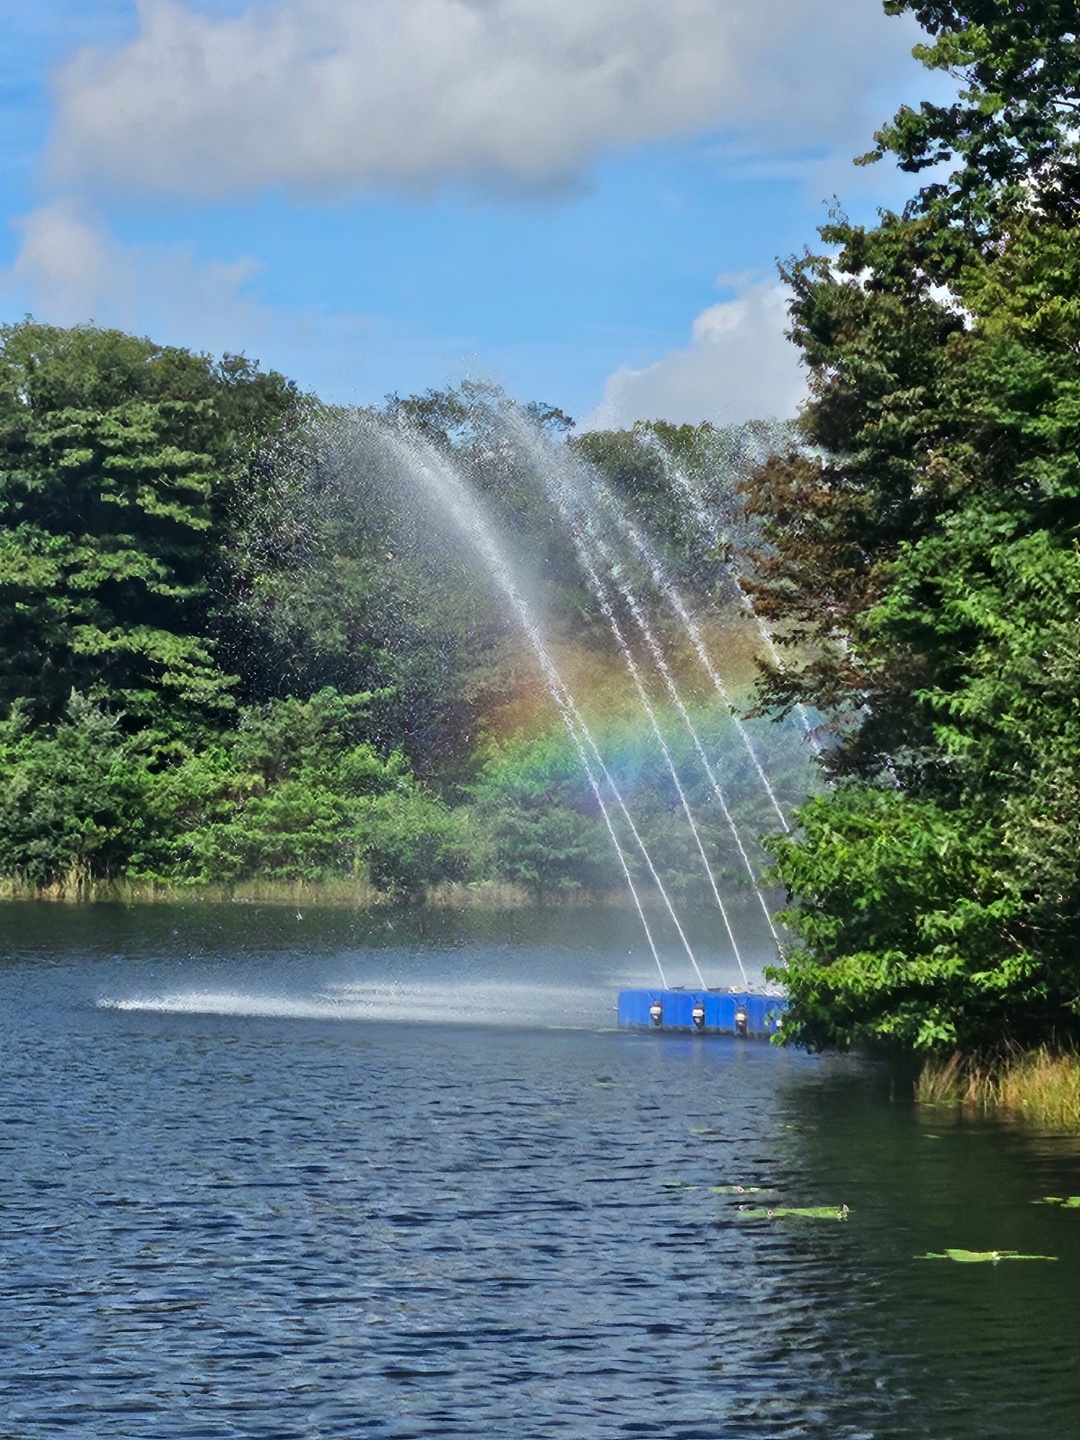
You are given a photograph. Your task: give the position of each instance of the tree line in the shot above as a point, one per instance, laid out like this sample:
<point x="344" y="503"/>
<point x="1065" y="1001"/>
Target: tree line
<point x="235" y="647"/>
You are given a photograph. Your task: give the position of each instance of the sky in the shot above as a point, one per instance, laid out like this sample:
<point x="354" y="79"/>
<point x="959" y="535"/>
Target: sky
<point x="582" y="200"/>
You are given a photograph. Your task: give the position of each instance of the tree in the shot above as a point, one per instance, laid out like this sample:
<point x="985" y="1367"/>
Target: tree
<point x="1012" y="125"/>
<point x="71" y="798"/>
<point x="681" y="482"/>
<point x="542" y="822"/>
<point x="920" y="558"/>
<point x="301" y="795"/>
<point x="117" y="457"/>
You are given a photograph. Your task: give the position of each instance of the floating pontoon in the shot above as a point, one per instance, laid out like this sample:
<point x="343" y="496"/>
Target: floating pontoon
<point x="708" y="1012"/>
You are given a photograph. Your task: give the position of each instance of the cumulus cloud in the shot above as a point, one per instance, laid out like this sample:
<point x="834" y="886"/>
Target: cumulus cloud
<point x="738" y="366"/>
<point x="325" y="96"/>
<point x="71" y="269"/>
<point x="62" y="261"/>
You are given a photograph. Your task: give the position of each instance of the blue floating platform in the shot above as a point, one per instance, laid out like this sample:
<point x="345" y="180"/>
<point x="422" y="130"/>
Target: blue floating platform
<point x="703" y="1012"/>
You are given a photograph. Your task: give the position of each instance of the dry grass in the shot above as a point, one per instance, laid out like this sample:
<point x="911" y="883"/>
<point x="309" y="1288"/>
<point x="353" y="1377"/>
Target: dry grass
<point x="1044" y="1088"/>
<point x="74" y="886"/>
<point x="334" y="891"/>
<point x="343" y="891"/>
<point x="1041" y="1087"/>
<point x="483" y="895"/>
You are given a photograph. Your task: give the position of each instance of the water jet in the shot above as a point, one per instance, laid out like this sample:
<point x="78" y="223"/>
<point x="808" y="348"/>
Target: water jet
<point x="673" y="680"/>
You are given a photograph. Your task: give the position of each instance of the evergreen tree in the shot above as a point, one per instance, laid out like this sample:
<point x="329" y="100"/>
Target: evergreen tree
<point x="116" y="461"/>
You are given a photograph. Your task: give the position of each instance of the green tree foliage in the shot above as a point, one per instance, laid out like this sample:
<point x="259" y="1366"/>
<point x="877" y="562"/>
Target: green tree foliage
<point x="500" y="447"/>
<point x="294" y="793"/>
<point x="304" y="797"/>
<point x="241" y="641"/>
<point x="921" y="559"/>
<point x="70" y="800"/>
<point x="541" y="820"/>
<point x="350" y="574"/>
<point x="682" y="483"/>
<point x="1012" y="125"/>
<point x="347" y="576"/>
<point x="544" y="829"/>
<point x="116" y="461"/>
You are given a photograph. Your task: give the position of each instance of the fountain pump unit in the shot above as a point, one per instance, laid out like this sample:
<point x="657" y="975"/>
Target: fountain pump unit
<point x="715" y="1012"/>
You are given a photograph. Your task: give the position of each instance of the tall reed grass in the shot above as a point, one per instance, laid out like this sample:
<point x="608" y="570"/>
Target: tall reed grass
<point x="334" y="890"/>
<point x="74" y="888"/>
<point x="1041" y="1087"/>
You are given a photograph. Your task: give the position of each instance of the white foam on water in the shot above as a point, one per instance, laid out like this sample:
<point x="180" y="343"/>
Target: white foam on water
<point x="448" y="1003"/>
<point x="227" y="1002"/>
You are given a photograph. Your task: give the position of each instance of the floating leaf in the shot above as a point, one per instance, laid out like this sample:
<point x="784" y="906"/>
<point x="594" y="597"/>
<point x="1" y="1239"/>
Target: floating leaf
<point x="702" y="1130"/>
<point x="678" y="1185"/>
<point x="803" y="1212"/>
<point x="1068" y="1202"/>
<point x="982" y="1257"/>
<point x="738" y="1189"/>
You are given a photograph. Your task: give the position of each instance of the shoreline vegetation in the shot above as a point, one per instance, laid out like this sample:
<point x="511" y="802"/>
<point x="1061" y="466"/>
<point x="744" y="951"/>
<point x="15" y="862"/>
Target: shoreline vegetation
<point x="339" y="892"/>
<point x="1038" y="1087"/>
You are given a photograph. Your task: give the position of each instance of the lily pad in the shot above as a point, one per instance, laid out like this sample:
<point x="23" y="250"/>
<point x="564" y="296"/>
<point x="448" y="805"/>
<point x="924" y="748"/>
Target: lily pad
<point x="1068" y="1202"/>
<point x="982" y="1257"/>
<point x="802" y="1212"/>
<point x="678" y="1185"/>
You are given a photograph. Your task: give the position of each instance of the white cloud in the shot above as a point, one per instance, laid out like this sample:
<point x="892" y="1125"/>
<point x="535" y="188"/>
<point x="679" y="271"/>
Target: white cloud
<point x="71" y="270"/>
<point x="62" y="262"/>
<point x="738" y="366"/>
<point x="325" y="96"/>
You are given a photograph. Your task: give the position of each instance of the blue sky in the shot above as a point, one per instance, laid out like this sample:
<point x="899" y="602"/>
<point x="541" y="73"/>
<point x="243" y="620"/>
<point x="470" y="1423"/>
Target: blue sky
<point x="582" y="199"/>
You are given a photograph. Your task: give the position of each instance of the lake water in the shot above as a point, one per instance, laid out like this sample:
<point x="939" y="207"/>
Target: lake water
<point x="268" y="1174"/>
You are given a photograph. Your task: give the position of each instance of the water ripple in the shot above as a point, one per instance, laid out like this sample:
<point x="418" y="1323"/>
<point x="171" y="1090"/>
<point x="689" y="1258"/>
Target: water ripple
<point x="235" y="1219"/>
